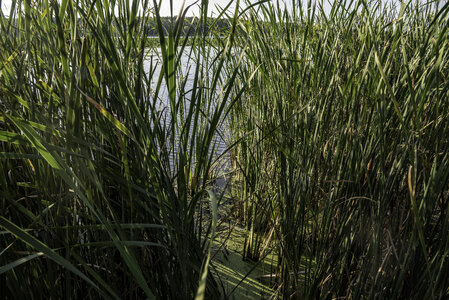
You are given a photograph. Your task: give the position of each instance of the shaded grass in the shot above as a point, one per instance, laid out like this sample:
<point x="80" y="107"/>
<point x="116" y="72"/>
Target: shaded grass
<point x="241" y="279"/>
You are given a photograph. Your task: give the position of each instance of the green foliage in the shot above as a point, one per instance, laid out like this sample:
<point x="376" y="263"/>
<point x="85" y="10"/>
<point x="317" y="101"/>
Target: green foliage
<point x="343" y="152"/>
<point x="102" y="192"/>
<point x="338" y="148"/>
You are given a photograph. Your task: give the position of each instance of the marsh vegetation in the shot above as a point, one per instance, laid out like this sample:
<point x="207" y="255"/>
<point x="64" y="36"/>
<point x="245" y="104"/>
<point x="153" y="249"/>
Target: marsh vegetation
<point x="334" y="174"/>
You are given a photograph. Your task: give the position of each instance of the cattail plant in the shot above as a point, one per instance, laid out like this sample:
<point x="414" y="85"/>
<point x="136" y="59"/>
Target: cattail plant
<point x="342" y="159"/>
<point x="105" y="183"/>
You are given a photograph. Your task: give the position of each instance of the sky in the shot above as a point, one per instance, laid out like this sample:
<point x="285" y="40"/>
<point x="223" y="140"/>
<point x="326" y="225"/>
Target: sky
<point x="215" y="5"/>
<point x="194" y="10"/>
<point x="165" y="7"/>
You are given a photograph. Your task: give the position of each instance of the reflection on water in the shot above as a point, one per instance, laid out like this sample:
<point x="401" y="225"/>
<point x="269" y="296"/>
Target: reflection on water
<point x="185" y="77"/>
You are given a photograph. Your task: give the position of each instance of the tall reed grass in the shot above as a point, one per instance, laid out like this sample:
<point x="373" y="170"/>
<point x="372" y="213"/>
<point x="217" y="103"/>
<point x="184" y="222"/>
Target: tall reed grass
<point x="343" y="159"/>
<point x="338" y="141"/>
<point x="105" y="183"/>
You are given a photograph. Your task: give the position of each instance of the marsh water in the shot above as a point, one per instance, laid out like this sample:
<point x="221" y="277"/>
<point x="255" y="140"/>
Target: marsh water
<point x="186" y="72"/>
<point x="230" y="267"/>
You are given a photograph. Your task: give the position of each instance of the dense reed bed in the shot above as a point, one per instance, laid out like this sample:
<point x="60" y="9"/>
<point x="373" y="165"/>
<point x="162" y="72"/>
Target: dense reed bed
<point x="106" y="168"/>
<point x="338" y="141"/>
<point x="343" y="156"/>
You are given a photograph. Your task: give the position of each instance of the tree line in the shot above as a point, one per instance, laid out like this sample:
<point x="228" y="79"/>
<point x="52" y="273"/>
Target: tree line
<point x="191" y="25"/>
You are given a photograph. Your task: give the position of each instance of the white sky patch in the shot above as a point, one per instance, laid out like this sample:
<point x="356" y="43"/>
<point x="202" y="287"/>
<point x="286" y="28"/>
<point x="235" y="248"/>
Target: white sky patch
<point x="165" y="6"/>
<point x="214" y="6"/>
<point x="5" y="6"/>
